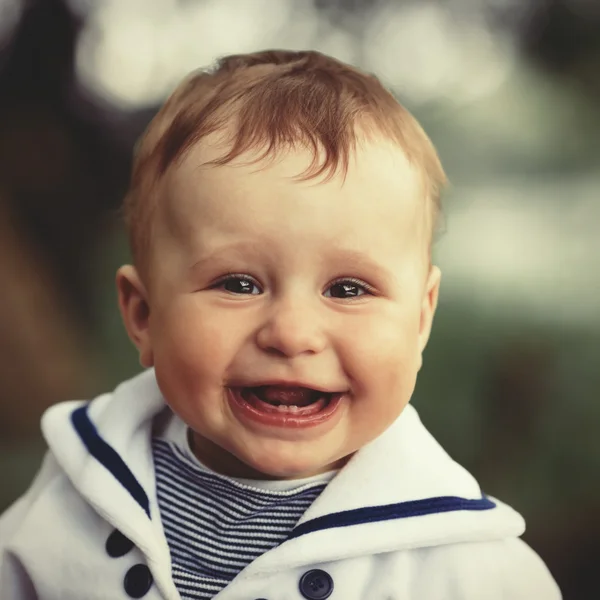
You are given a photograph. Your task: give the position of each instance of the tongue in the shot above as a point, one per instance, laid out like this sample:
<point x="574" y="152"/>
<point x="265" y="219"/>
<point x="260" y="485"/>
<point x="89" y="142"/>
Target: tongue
<point x="286" y="395"/>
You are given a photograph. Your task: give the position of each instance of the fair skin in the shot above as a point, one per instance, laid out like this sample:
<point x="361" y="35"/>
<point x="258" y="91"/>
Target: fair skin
<point x="292" y="242"/>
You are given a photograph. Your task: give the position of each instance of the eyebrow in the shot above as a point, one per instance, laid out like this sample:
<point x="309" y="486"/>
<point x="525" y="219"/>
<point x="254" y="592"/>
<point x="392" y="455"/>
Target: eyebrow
<point x="351" y="259"/>
<point x="357" y="260"/>
<point x="238" y="250"/>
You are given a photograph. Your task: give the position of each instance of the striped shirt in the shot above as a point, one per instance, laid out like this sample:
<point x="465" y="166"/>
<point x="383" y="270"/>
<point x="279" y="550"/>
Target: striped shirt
<point x="216" y="525"/>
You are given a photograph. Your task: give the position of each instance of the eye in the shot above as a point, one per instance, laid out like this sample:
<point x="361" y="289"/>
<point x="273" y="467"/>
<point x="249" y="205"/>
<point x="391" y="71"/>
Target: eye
<point x="238" y="284"/>
<point x="347" y="288"/>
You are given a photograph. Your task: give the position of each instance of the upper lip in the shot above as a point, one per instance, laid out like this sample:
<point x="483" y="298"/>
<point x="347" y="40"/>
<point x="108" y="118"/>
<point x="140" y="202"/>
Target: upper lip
<point x="294" y="384"/>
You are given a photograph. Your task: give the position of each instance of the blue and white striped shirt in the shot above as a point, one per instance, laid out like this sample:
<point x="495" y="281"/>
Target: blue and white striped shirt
<point x="216" y="525"/>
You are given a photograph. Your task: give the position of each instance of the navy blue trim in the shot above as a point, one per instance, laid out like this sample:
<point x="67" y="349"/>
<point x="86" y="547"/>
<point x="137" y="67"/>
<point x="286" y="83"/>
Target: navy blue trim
<point x="402" y="510"/>
<point x="108" y="457"/>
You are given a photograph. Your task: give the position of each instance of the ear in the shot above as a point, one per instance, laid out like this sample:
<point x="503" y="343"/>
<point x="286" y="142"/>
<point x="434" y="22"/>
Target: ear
<point x="428" y="306"/>
<point x="135" y="311"/>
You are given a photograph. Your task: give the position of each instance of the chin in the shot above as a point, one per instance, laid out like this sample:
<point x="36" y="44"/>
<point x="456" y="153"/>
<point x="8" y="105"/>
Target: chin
<point x="291" y="474"/>
<point x="289" y="467"/>
<point x="281" y="470"/>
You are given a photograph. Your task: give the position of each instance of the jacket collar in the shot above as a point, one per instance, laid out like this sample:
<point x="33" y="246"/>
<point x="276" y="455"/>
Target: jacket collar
<point x="400" y="491"/>
<point x="104" y="448"/>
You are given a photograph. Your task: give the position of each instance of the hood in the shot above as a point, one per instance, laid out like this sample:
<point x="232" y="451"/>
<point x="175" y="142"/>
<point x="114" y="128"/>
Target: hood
<point x="400" y="491"/>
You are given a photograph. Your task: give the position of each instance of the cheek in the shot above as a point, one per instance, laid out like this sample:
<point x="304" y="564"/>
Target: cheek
<point x="383" y="371"/>
<point x="194" y="344"/>
<point x="386" y="354"/>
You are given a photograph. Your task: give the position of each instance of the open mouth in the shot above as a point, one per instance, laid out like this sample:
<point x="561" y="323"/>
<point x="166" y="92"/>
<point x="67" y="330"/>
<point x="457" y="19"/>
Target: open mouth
<point x="297" y="401"/>
<point x="293" y="408"/>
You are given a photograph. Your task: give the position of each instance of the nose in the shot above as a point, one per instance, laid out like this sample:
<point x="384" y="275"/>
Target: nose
<point x="292" y="328"/>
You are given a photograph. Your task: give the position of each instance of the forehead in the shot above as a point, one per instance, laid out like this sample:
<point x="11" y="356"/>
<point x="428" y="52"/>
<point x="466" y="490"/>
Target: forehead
<point x="381" y="193"/>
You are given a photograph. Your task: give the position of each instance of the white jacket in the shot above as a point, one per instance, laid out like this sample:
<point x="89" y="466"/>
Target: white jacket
<point x="401" y="521"/>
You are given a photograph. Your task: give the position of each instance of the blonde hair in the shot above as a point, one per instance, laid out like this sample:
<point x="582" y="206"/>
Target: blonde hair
<point x="274" y="100"/>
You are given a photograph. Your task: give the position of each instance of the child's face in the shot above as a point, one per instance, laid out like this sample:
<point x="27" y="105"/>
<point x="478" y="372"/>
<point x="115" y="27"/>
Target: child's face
<point x="284" y="317"/>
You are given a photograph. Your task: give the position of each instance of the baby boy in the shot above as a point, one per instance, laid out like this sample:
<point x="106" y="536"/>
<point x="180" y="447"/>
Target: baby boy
<point x="280" y="213"/>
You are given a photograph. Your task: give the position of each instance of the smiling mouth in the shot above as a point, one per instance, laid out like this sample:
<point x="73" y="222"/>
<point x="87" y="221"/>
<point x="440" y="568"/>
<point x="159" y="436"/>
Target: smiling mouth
<point x="287" y="396"/>
<point x="299" y="401"/>
<point x="287" y="407"/>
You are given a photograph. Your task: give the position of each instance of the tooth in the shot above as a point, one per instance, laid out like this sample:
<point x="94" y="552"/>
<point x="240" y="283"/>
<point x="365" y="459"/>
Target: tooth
<point x="283" y="408"/>
<point x="293" y="408"/>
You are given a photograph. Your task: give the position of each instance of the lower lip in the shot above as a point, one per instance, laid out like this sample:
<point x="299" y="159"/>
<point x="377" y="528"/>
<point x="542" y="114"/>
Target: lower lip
<point x="284" y="419"/>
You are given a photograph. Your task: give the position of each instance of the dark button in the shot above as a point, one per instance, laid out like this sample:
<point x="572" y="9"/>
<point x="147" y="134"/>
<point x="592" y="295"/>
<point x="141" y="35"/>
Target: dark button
<point x="316" y="584"/>
<point x="138" y="580"/>
<point x="117" y="544"/>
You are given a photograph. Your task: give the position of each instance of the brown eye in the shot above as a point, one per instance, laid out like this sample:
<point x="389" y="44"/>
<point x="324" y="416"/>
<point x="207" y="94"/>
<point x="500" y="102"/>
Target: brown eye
<point x="346" y="289"/>
<point x="236" y="284"/>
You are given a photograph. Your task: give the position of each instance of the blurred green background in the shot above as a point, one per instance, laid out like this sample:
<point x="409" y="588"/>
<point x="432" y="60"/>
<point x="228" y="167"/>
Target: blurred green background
<point x="508" y="90"/>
